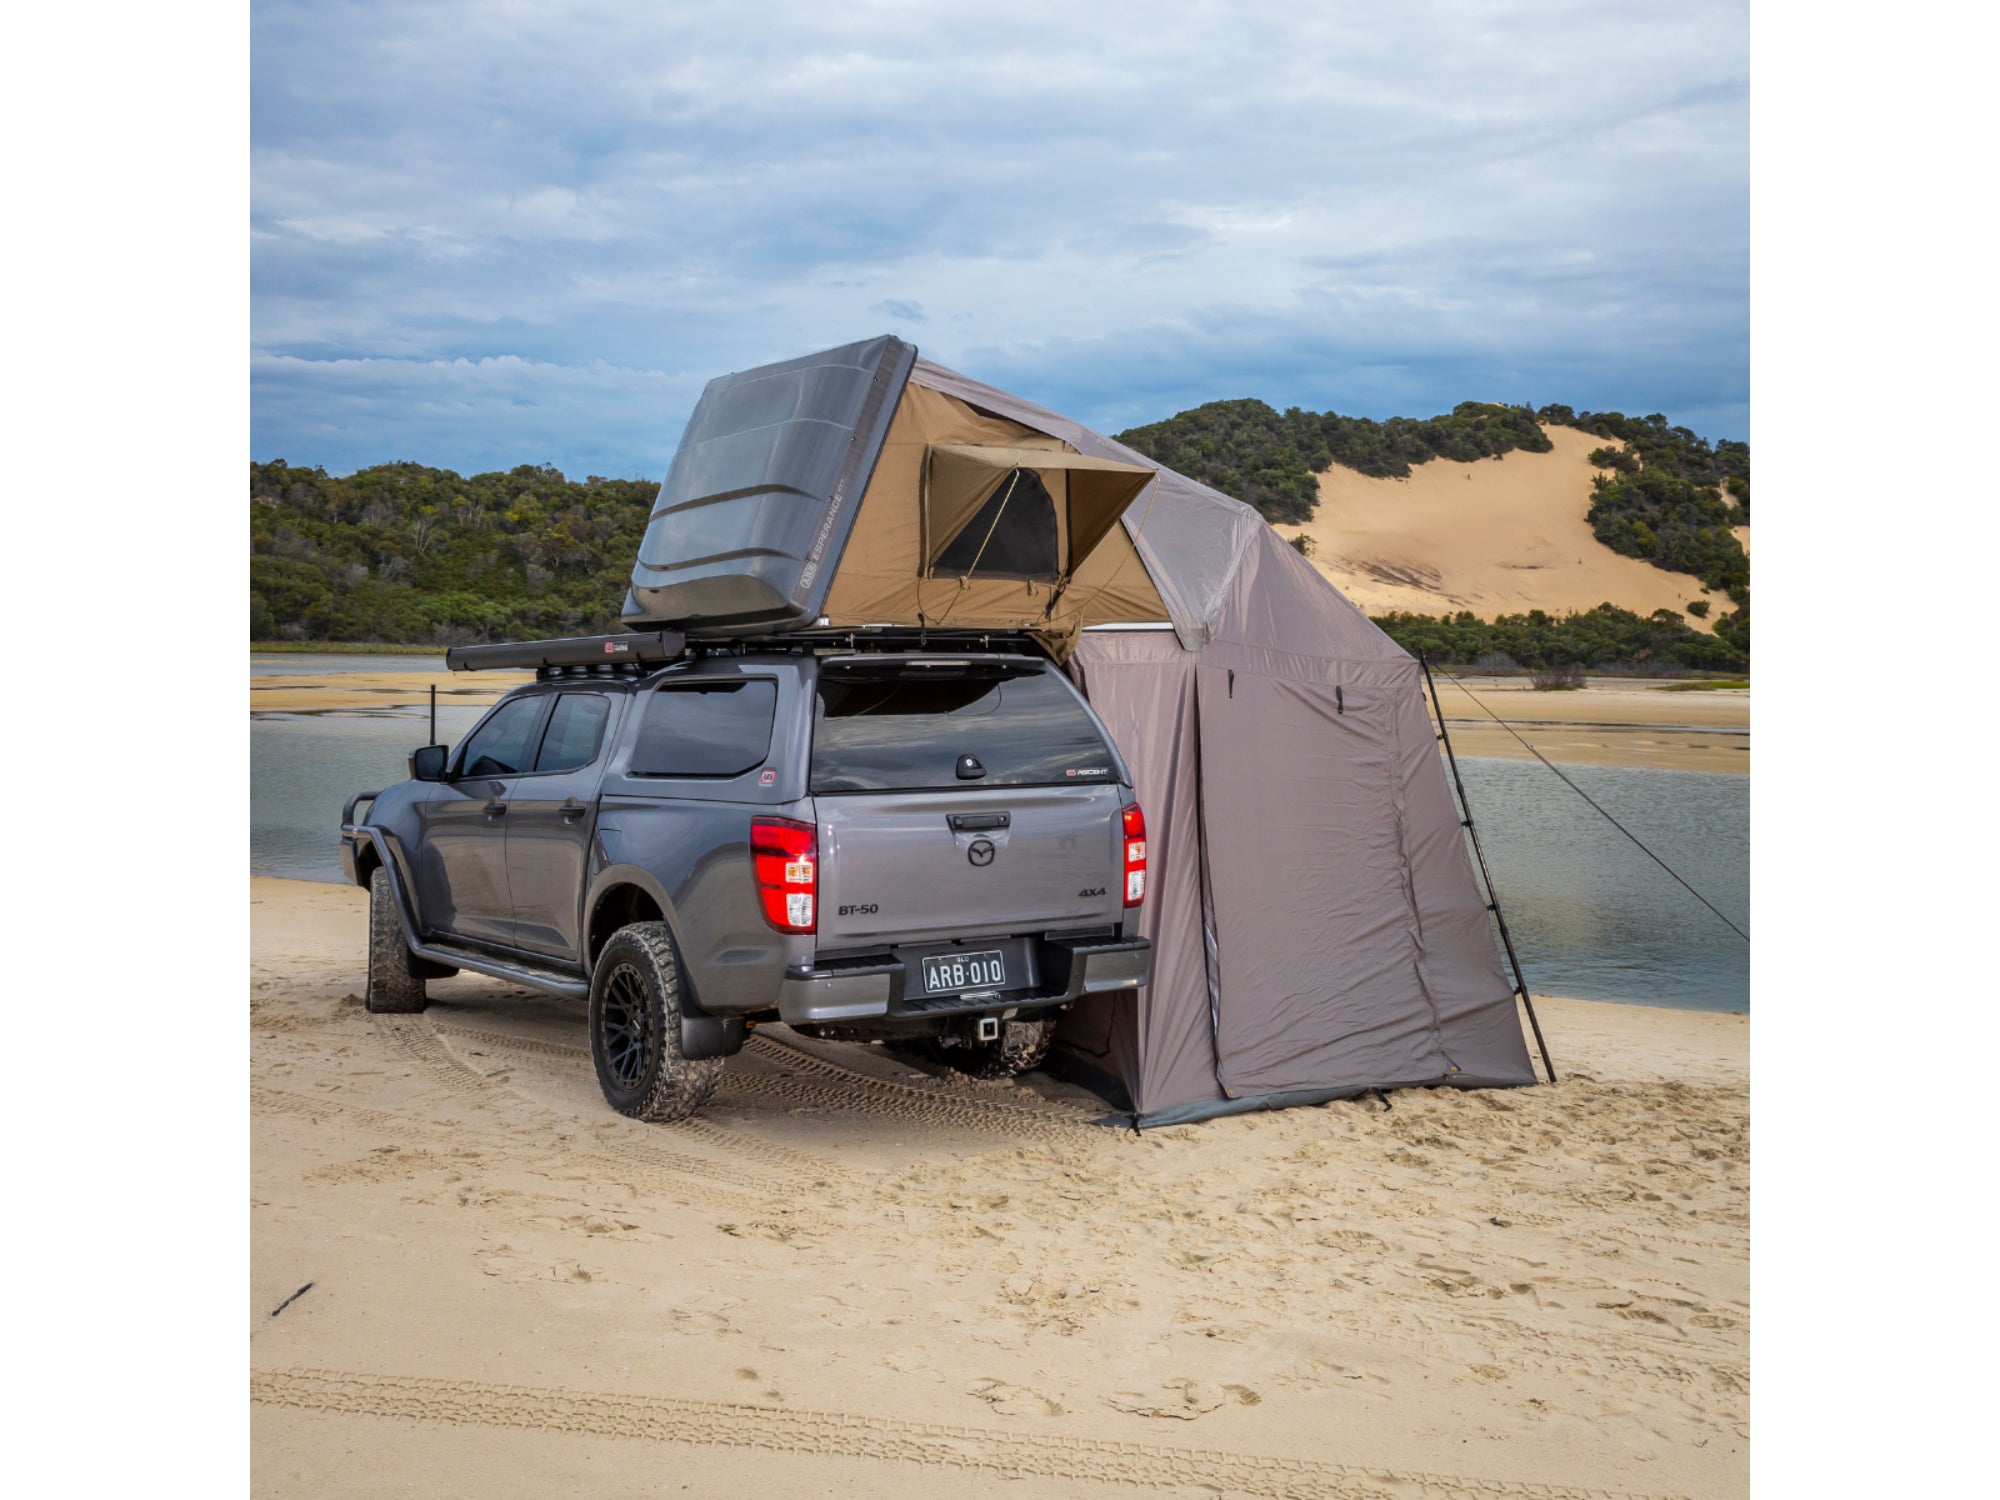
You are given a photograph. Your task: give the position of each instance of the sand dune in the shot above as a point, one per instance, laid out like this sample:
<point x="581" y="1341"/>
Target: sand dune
<point x="853" y="1277"/>
<point x="1499" y="536"/>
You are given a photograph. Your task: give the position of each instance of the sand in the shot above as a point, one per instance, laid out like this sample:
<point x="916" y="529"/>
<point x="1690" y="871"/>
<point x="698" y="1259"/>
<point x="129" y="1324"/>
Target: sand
<point x="1607" y="722"/>
<point x="853" y="1277"/>
<point x="322" y="692"/>
<point x="1499" y="536"/>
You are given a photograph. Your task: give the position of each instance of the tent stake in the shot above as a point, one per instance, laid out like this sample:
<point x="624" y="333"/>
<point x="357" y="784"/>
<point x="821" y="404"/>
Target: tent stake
<point x="1486" y="875"/>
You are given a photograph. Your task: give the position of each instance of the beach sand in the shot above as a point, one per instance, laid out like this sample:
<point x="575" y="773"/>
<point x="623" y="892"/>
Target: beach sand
<point x="853" y="1277"/>
<point x="1608" y="722"/>
<point x="321" y="692"/>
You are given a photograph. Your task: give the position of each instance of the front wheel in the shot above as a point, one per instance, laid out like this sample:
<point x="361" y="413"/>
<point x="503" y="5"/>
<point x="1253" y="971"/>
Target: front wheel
<point x="395" y="982"/>
<point x="635" y="1029"/>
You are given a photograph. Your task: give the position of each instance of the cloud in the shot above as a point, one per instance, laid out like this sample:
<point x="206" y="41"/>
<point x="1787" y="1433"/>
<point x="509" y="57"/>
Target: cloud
<point x="1109" y="207"/>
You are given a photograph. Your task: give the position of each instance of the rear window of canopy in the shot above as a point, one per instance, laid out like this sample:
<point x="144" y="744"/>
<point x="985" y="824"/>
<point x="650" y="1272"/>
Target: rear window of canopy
<point x="884" y="728"/>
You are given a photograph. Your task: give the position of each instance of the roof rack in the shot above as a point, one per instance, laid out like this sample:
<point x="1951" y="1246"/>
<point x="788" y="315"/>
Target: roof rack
<point x="648" y="647"/>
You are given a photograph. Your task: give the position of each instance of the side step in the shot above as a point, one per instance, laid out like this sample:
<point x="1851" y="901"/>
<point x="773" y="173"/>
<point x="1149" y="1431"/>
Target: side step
<point x="547" y="981"/>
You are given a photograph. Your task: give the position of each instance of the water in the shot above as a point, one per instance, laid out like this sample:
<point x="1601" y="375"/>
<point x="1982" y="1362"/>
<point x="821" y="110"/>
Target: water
<point x="303" y="767"/>
<point x="1591" y="915"/>
<point x="320" y="664"/>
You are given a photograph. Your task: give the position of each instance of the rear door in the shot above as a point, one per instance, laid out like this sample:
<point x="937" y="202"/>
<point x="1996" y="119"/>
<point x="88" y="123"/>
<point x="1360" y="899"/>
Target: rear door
<point x="551" y="813"/>
<point x="462" y="860"/>
<point x="960" y="798"/>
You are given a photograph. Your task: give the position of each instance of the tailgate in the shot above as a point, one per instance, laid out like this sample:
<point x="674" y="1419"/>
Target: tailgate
<point x="894" y="868"/>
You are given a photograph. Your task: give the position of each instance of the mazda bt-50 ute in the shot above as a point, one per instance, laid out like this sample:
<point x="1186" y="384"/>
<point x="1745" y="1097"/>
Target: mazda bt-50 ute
<point x="937" y="846"/>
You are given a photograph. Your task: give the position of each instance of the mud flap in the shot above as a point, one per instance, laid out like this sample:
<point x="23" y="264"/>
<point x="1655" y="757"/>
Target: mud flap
<point x="712" y="1036"/>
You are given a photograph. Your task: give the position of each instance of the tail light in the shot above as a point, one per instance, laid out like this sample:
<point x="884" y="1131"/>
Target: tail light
<point x="1135" y="855"/>
<point x="786" y="855"/>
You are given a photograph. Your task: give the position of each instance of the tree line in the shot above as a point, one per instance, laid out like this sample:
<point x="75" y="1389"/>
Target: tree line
<point x="406" y="553"/>
<point x="1604" y="636"/>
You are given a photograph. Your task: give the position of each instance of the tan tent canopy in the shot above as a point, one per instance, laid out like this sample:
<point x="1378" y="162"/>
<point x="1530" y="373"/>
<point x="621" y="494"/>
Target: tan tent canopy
<point x="960" y="479"/>
<point x="943" y="462"/>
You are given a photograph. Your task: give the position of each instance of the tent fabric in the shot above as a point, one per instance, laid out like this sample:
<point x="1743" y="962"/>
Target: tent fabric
<point x="961" y="477"/>
<point x="1190" y="538"/>
<point x="884" y="576"/>
<point x="1316" y="924"/>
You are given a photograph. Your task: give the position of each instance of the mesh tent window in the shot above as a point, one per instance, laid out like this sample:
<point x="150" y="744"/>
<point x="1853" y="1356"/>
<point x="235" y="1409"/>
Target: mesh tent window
<point x="1013" y="535"/>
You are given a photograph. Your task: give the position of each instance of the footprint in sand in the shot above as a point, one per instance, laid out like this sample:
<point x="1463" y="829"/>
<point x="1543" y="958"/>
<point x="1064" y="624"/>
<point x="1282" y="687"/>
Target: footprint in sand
<point x="1013" y="1400"/>
<point x="1181" y="1400"/>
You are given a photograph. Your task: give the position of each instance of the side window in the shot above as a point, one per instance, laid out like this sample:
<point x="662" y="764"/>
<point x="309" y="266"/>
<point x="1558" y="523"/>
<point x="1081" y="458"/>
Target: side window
<point x="575" y="730"/>
<point x="503" y="744"/>
<point x="706" y="728"/>
<point x="1012" y="536"/>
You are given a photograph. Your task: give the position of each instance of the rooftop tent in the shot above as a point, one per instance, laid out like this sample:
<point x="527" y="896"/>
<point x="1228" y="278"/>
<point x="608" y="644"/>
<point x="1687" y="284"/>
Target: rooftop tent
<point x="1316" y="927"/>
<point x="845" y="488"/>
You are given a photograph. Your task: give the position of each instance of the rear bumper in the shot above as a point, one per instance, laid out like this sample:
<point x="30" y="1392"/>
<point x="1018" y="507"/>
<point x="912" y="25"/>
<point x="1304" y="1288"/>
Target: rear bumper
<point x="858" y="989"/>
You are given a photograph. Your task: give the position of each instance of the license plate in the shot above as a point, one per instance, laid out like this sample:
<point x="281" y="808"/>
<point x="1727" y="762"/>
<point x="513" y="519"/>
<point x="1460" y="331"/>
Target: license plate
<point x="964" y="971"/>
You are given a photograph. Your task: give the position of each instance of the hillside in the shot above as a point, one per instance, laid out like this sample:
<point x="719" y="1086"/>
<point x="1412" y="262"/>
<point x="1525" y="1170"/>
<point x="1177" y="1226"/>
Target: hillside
<point x="1491" y="529"/>
<point x="1518" y="518"/>
<point x="1498" y="536"/>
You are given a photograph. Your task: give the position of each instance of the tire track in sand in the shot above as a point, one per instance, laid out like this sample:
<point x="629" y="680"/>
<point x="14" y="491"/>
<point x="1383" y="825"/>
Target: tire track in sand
<point x="941" y="1445"/>
<point x="835" y="1088"/>
<point x="419" y="1037"/>
<point x="690" y="1177"/>
<point x="769" y="1153"/>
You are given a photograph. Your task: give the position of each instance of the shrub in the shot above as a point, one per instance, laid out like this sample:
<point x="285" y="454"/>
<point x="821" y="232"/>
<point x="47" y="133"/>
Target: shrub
<point x="1699" y="609"/>
<point x="1563" y="678"/>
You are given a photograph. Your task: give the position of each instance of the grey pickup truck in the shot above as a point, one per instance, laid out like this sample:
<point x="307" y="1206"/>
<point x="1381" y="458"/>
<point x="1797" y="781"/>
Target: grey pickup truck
<point x="934" y="847"/>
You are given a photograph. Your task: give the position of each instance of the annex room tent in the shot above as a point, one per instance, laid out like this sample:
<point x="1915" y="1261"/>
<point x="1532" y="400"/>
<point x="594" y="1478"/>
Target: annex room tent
<point x="1316" y="926"/>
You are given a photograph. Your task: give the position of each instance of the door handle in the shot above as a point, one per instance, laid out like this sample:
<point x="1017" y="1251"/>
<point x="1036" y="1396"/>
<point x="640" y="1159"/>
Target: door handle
<point x="495" y="809"/>
<point x="974" y="822"/>
<point x="573" y="809"/>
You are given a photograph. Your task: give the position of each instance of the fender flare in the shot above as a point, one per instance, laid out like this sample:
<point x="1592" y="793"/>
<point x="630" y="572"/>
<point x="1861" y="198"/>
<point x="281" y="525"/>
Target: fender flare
<point x="389" y="855"/>
<point x="702" y="1035"/>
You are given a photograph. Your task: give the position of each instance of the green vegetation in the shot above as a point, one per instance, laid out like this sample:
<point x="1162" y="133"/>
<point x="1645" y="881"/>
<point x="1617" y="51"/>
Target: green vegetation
<point x="1669" y="496"/>
<point x="1604" y="636"/>
<point x="1267" y="458"/>
<point x="425" y="558"/>
<point x="1706" y="685"/>
<point x="1666" y="495"/>
<point x="400" y="553"/>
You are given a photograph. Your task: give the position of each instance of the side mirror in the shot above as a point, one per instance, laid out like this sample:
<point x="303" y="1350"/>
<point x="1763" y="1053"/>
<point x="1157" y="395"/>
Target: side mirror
<point x="427" y="764"/>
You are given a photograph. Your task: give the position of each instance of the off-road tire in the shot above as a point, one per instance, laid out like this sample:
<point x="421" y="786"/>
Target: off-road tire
<point x="395" y="975"/>
<point x="1021" y="1048"/>
<point x="635" y="1029"/>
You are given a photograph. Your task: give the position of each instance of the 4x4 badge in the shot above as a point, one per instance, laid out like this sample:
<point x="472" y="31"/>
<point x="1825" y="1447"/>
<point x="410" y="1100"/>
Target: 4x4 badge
<point x="981" y="852"/>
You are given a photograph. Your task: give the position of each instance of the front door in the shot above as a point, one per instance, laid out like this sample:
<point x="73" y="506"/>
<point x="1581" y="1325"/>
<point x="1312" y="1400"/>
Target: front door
<point x="462" y="864"/>
<point x="551" y="815"/>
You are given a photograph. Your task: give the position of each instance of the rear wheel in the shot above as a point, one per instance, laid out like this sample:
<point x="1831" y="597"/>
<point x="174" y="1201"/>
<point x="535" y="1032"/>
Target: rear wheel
<point x="1021" y="1048"/>
<point x="395" y="978"/>
<point x="635" y="1029"/>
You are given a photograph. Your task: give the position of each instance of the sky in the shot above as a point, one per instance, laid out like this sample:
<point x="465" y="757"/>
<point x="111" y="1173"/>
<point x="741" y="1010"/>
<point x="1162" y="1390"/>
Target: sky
<point x="513" y="231"/>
